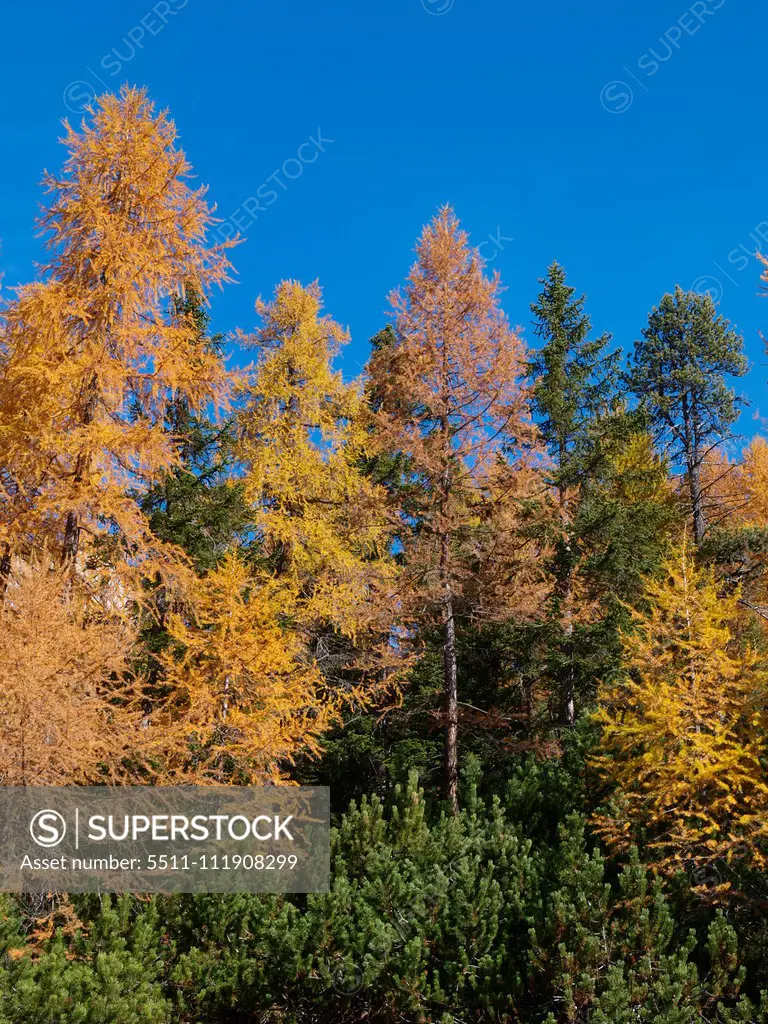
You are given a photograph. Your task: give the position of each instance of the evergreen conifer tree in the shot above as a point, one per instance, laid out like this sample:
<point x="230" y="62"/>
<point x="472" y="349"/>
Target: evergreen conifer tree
<point x="574" y="392"/>
<point x="680" y="374"/>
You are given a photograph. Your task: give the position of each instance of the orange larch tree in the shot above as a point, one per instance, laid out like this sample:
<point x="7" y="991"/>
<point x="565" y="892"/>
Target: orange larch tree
<point x="451" y="401"/>
<point x="67" y="706"/>
<point x="738" y="545"/>
<point x="91" y="352"/>
<point x="752" y="484"/>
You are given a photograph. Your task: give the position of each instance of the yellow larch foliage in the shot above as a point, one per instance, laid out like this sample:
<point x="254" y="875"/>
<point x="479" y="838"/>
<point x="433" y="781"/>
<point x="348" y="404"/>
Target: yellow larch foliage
<point x="320" y="520"/>
<point x="638" y="473"/>
<point x="91" y="353"/>
<point x="722" y="490"/>
<point x="741" y="489"/>
<point x="244" y="700"/>
<point x="67" y="711"/>
<point x="752" y="483"/>
<point x="684" y="728"/>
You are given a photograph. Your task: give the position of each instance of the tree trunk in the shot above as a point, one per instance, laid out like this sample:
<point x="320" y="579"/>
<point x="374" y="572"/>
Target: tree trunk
<point x="72" y="527"/>
<point x="693" y="458"/>
<point x="566" y="615"/>
<point x="450" y="681"/>
<point x="450" y="673"/>
<point x="5" y="570"/>
<point x="71" y="538"/>
<point x="570" y="672"/>
<point x="697" y="500"/>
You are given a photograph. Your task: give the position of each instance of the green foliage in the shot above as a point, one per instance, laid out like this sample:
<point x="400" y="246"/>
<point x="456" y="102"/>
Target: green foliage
<point x="612" y="511"/>
<point x="197" y="505"/>
<point x="679" y="372"/>
<point x="482" y="916"/>
<point x="112" y="975"/>
<point x="610" y="952"/>
<point x="574" y="377"/>
<point x="523" y="551"/>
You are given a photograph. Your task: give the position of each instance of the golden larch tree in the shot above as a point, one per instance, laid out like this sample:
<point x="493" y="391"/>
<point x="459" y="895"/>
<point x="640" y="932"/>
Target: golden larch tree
<point x="66" y="701"/>
<point x="92" y="351"/>
<point x="320" y="521"/>
<point x="752" y="484"/>
<point x="451" y="401"/>
<point x="244" y="698"/>
<point x="740" y="487"/>
<point x="684" y="727"/>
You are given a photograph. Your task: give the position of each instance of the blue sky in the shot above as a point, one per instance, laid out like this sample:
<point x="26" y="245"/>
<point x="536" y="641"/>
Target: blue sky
<point x="625" y="140"/>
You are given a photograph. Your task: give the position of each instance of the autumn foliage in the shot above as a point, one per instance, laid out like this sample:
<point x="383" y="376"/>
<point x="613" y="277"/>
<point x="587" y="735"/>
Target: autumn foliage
<point x="93" y="356"/>
<point x="244" y="698"/>
<point x="452" y="402"/>
<point x="303" y="434"/>
<point x="66" y="700"/>
<point x="684" y="727"/>
<point x="504" y="592"/>
<point x="218" y="575"/>
<point x="94" y="348"/>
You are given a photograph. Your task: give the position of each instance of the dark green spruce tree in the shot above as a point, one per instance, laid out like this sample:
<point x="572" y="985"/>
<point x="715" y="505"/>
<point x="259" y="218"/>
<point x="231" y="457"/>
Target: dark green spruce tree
<point x="574" y="387"/>
<point x="198" y="506"/>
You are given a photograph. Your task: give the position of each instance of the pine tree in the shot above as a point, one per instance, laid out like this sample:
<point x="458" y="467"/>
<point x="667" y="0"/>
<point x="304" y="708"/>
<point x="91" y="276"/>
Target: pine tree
<point x="679" y="373"/>
<point x="452" y="403"/>
<point x="608" y="952"/>
<point x="111" y="973"/>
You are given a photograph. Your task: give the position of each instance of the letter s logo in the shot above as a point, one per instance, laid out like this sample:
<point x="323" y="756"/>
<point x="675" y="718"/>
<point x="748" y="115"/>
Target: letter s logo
<point x="48" y="828"/>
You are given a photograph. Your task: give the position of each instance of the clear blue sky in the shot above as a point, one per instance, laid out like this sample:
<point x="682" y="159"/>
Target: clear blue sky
<point x="624" y="139"/>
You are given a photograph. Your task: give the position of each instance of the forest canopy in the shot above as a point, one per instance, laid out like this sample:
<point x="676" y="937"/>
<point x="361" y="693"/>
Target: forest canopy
<point x="507" y="598"/>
